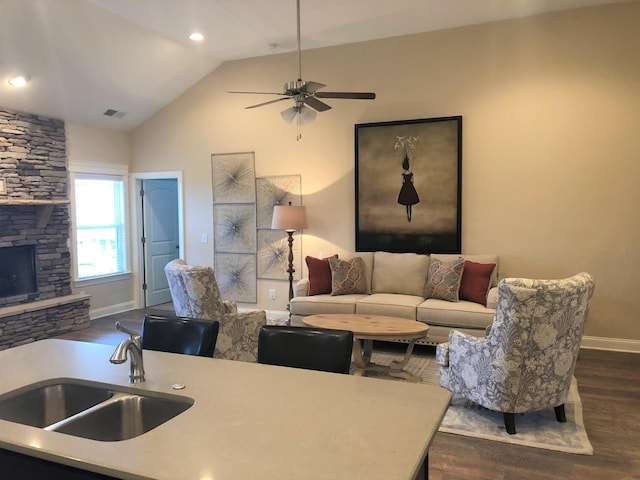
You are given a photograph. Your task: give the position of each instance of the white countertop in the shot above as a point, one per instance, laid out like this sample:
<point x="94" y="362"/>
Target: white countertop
<point x="249" y="421"/>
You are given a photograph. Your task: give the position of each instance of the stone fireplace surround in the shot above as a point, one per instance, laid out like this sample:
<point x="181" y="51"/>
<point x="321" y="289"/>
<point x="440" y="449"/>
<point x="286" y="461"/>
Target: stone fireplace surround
<point x="34" y="210"/>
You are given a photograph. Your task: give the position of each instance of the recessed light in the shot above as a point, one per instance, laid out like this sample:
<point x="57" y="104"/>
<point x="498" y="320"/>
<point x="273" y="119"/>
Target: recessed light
<point x="196" y="37"/>
<point x="18" y="81"/>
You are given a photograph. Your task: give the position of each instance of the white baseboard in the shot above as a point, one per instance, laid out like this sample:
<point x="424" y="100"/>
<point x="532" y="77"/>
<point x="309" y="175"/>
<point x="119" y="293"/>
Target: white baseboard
<point x="111" y="310"/>
<point x="614" y="344"/>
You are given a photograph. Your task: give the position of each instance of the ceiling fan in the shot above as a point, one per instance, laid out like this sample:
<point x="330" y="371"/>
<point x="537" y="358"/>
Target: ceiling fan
<point x="305" y="94"/>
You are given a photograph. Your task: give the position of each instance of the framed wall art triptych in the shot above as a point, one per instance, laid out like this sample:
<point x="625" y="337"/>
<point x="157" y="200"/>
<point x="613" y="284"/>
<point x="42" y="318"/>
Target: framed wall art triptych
<point x="234" y="220"/>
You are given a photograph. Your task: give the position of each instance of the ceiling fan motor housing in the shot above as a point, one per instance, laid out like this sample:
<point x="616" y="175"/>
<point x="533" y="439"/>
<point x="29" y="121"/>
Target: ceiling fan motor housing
<point x="291" y="88"/>
<point x="301" y="86"/>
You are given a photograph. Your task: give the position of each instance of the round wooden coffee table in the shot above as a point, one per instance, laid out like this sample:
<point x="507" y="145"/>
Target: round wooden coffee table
<point x="374" y="327"/>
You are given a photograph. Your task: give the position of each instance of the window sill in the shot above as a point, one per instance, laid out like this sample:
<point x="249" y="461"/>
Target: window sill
<point x="116" y="277"/>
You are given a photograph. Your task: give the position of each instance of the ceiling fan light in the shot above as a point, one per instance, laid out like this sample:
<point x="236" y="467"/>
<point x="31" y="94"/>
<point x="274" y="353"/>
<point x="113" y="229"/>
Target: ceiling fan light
<point x="289" y="114"/>
<point x="307" y="115"/>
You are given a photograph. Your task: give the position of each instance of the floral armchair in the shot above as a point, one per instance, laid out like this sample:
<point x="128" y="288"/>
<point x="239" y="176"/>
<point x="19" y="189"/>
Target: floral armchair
<point x="194" y="291"/>
<point x="526" y="361"/>
<point x="195" y="294"/>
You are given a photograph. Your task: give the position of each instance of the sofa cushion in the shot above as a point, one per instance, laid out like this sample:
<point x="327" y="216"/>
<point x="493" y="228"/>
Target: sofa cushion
<point x="324" y="304"/>
<point x="319" y="275"/>
<point x="389" y="305"/>
<point x="404" y="273"/>
<point x="462" y="314"/>
<point x="348" y="276"/>
<point x="476" y="278"/>
<point x="444" y="279"/>
<point x="480" y="258"/>
<point x="367" y="258"/>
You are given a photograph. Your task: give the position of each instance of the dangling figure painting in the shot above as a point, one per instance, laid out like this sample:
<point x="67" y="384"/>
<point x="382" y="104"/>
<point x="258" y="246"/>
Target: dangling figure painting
<point x="408" y="180"/>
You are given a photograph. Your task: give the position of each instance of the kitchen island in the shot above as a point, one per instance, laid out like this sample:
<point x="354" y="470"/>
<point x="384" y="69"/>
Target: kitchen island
<point x="248" y="421"/>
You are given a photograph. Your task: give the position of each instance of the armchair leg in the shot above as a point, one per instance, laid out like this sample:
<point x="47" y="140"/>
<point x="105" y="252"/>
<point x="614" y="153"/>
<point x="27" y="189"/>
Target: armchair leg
<point x="510" y="422"/>
<point x="560" y="414"/>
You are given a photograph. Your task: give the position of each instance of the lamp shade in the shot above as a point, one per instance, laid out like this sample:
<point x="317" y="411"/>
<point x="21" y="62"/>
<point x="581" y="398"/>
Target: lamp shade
<point x="303" y="114"/>
<point x="289" y="218"/>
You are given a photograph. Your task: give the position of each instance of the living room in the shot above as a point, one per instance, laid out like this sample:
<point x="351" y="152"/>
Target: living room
<point x="550" y="109"/>
<point x="548" y="165"/>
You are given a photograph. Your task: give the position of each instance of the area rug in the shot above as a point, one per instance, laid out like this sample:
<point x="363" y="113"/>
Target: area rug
<point x="534" y="429"/>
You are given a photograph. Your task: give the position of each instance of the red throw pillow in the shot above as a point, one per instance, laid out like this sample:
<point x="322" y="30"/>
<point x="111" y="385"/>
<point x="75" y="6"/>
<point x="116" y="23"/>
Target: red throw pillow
<point x="319" y="275"/>
<point x="476" y="278"/>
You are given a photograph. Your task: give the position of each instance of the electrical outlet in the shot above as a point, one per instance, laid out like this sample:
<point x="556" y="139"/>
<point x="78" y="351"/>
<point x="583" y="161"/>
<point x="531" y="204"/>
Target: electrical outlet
<point x="272" y="294"/>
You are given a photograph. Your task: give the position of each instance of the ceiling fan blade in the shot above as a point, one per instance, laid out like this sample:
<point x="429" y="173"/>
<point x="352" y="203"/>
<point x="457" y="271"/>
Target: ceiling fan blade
<point x="267" y="103"/>
<point x="311" y="87"/>
<point x="348" y="95"/>
<point x="316" y="104"/>
<point x="260" y="93"/>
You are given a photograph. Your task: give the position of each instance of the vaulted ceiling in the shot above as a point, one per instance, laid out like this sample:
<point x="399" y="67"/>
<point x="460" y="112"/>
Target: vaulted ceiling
<point x="84" y="57"/>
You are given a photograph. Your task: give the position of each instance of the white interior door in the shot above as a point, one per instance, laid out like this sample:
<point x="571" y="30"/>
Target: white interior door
<point x="161" y="242"/>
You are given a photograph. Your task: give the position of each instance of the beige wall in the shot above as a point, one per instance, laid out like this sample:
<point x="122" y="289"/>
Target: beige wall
<point x="96" y="145"/>
<point x="93" y="145"/>
<point x="551" y="110"/>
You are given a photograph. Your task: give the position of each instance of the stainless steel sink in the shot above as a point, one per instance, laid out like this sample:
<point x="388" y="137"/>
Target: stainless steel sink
<point x="91" y="410"/>
<point x="46" y="403"/>
<point x="125" y="416"/>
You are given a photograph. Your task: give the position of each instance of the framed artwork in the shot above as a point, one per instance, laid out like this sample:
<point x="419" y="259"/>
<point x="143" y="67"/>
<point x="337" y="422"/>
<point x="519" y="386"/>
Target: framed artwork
<point x="408" y="185"/>
<point x="234" y="228"/>
<point x="276" y="190"/>
<point x="233" y="176"/>
<point x="273" y="255"/>
<point x="236" y="276"/>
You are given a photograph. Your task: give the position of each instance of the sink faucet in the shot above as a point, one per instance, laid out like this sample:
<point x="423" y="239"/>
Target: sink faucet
<point x="133" y="345"/>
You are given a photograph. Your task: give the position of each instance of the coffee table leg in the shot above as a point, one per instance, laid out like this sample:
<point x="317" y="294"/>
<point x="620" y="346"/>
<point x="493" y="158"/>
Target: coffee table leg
<point x="361" y="358"/>
<point x="400" y="364"/>
<point x="368" y="348"/>
<point x="357" y="356"/>
<point x="396" y="367"/>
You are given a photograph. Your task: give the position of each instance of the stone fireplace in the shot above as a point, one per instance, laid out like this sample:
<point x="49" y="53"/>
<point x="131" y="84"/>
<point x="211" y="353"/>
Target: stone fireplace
<point x="36" y="300"/>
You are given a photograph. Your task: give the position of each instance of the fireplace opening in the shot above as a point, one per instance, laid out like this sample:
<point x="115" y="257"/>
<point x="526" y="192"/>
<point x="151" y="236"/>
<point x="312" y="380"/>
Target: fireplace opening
<point x="17" y="270"/>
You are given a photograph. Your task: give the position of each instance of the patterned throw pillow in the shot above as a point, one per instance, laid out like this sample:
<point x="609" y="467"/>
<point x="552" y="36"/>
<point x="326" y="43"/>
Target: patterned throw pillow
<point x="347" y="276"/>
<point x="444" y="279"/>
<point x="319" y="275"/>
<point x="476" y="279"/>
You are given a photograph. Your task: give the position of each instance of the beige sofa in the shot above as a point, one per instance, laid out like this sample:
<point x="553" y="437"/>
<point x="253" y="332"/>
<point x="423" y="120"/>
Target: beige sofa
<point x="396" y="288"/>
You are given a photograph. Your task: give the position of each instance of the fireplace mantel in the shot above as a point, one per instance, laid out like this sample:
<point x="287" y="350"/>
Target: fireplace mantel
<point x="43" y="207"/>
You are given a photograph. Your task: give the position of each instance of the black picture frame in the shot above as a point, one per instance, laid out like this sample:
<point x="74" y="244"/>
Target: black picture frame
<point x="414" y="209"/>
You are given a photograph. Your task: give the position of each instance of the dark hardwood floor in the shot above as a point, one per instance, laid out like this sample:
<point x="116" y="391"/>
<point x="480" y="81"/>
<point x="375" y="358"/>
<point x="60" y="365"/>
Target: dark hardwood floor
<point x="609" y="385"/>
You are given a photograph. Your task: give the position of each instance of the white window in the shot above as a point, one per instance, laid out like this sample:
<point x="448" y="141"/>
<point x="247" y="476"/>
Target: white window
<point x="99" y="224"/>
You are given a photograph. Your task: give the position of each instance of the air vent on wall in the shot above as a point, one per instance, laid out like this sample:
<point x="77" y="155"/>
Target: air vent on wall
<point x="114" y="113"/>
